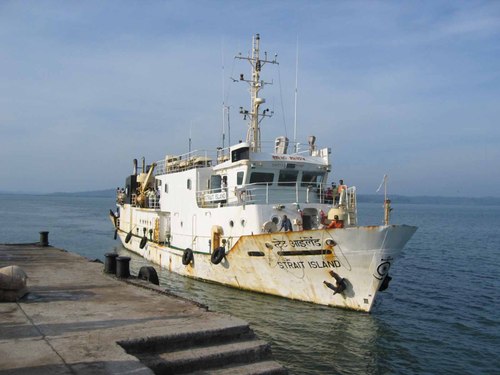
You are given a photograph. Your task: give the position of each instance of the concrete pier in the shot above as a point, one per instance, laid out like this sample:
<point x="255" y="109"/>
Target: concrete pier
<point x="78" y="320"/>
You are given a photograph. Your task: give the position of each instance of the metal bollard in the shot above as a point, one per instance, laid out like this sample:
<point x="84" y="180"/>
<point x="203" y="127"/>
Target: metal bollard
<point x="44" y="238"/>
<point x="123" y="267"/>
<point x="110" y="263"/>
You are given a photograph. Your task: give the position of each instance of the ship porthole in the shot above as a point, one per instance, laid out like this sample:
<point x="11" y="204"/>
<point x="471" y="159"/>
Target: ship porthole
<point x="330" y="242"/>
<point x="231" y="223"/>
<point x="243" y="222"/>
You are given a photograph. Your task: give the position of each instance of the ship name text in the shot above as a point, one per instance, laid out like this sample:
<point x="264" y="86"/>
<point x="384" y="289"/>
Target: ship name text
<point x="302" y="242"/>
<point x="288" y="264"/>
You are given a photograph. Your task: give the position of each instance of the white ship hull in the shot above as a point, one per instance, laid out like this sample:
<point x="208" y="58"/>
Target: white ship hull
<point x="295" y="265"/>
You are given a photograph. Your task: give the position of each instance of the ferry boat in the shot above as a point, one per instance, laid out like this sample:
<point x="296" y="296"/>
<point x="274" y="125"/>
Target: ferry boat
<point x="262" y="221"/>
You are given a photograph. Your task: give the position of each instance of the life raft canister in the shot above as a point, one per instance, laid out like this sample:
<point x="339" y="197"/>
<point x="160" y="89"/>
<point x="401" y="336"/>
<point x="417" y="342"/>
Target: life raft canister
<point x="218" y="255"/>
<point x="187" y="256"/>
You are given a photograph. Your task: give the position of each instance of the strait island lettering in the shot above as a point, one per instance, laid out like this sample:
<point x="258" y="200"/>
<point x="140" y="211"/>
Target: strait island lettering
<point x="288" y="264"/>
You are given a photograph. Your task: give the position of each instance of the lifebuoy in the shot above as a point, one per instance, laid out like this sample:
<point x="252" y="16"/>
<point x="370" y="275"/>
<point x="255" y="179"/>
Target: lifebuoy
<point x="148" y="273"/>
<point x="187" y="256"/>
<point x="128" y="238"/>
<point x="144" y="240"/>
<point x="218" y="255"/>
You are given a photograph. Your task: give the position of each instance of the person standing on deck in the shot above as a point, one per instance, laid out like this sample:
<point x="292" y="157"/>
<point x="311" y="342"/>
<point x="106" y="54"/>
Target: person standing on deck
<point x="287" y="224"/>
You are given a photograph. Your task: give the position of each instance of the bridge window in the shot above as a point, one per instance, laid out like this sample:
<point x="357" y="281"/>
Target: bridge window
<point x="239" y="178"/>
<point x="312" y="178"/>
<point x="287" y="177"/>
<point x="240" y="154"/>
<point x="261" y="178"/>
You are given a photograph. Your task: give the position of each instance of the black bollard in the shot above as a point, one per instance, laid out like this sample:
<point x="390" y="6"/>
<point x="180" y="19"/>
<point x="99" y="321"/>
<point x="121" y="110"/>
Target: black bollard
<point x="123" y="267"/>
<point x="44" y="238"/>
<point x="110" y="263"/>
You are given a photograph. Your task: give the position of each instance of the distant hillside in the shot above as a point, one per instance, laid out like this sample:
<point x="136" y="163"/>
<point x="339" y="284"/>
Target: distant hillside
<point x="108" y="193"/>
<point x="483" y="201"/>
<point x="362" y="198"/>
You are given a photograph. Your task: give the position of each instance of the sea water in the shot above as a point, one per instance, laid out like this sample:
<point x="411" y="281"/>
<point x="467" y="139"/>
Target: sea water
<point x="441" y="313"/>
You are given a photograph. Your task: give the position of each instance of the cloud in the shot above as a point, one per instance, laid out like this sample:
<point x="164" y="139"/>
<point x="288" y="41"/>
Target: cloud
<point x="405" y="88"/>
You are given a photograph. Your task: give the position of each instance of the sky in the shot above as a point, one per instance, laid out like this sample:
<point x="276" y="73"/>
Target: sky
<point x="407" y="89"/>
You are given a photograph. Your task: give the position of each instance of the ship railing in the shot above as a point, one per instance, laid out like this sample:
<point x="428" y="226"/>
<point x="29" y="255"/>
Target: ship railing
<point x="296" y="148"/>
<point x="152" y="201"/>
<point x="284" y="192"/>
<point x="183" y="162"/>
<point x="348" y="201"/>
<point x="265" y="193"/>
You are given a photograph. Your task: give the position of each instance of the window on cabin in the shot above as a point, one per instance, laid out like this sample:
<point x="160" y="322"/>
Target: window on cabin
<point x="166" y="188"/>
<point x="215" y="182"/>
<point x="239" y="178"/>
<point x="189" y="184"/>
<point x="312" y="178"/>
<point x="240" y="154"/>
<point x="261" y="178"/>
<point x="287" y="177"/>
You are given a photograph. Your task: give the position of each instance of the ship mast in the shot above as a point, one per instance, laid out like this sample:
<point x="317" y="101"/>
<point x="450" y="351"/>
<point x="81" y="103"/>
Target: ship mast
<point x="255" y="117"/>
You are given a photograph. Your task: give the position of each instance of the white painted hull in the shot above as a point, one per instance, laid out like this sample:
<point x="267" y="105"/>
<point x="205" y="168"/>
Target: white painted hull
<point x="295" y="264"/>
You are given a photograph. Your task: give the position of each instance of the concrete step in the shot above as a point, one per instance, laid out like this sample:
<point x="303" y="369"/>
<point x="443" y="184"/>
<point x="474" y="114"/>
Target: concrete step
<point x="168" y="343"/>
<point x="256" y="368"/>
<point x="207" y="357"/>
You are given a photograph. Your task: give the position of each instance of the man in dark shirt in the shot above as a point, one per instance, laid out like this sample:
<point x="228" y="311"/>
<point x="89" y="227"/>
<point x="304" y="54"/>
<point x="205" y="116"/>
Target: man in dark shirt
<point x="287" y="224"/>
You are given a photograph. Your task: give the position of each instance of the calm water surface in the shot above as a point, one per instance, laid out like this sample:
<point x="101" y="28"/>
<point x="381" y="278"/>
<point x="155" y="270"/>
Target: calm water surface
<point x="440" y="315"/>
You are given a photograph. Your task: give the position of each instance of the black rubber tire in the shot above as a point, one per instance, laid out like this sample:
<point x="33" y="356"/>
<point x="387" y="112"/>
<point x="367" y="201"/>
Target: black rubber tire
<point x="148" y="273"/>
<point x="129" y="237"/>
<point x="385" y="283"/>
<point x="187" y="256"/>
<point x="218" y="255"/>
<point x="113" y="216"/>
<point x="144" y="241"/>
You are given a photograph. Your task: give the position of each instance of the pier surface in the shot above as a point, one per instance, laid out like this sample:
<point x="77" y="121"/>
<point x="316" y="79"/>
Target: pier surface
<point x="78" y="320"/>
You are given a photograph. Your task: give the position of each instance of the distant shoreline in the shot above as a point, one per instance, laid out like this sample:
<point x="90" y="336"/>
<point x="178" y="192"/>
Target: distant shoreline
<point x="362" y="198"/>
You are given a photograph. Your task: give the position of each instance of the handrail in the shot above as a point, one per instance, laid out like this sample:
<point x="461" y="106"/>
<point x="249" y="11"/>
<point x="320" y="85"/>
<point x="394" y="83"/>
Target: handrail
<point x="182" y="162"/>
<point x="263" y="193"/>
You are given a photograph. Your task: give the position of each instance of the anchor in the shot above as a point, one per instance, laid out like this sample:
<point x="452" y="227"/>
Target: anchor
<point x="339" y="281"/>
